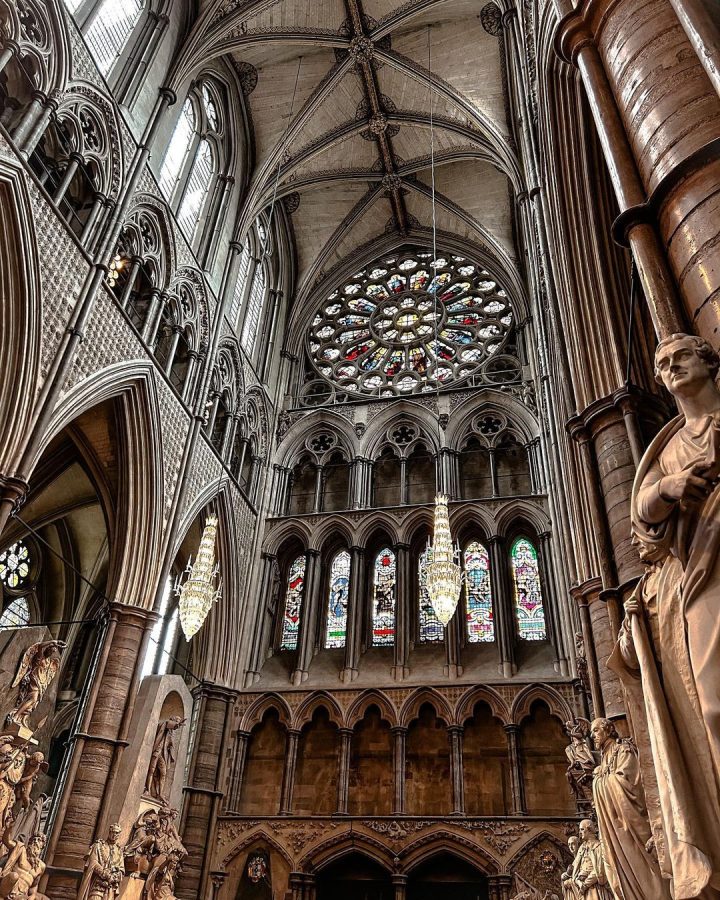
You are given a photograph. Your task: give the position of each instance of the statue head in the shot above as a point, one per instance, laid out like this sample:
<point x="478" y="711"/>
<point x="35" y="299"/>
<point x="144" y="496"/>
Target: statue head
<point x="588" y="831"/>
<point x="573" y="844"/>
<point x="602" y="731"/>
<point x="36" y="845"/>
<point x="114" y="834"/>
<point x="685" y="363"/>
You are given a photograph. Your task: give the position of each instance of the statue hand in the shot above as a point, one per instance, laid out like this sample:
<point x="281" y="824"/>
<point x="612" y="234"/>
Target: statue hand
<point x="632" y="606"/>
<point x="691" y="485"/>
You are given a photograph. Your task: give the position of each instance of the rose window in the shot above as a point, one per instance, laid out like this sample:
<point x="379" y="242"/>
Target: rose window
<point x="15" y="565"/>
<point x="410" y="321"/>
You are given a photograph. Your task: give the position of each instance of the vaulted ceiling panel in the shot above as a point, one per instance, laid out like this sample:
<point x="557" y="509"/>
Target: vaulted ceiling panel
<point x="462" y="54"/>
<point x="318" y="16"/>
<point x="271" y="100"/>
<point x="352" y="154"/>
<point x="320" y="213"/>
<point x="480" y="190"/>
<point x="337" y="108"/>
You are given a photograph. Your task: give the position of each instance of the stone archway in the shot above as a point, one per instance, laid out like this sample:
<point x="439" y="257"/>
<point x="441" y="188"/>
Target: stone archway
<point x="354" y="877"/>
<point x="446" y="875"/>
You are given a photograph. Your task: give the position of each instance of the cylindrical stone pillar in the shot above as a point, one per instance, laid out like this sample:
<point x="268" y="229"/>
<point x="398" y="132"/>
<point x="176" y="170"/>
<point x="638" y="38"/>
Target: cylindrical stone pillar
<point x="399" y="733"/>
<point x="457" y="773"/>
<point x="344" y="770"/>
<point x="516" y="776"/>
<point x="288" y="784"/>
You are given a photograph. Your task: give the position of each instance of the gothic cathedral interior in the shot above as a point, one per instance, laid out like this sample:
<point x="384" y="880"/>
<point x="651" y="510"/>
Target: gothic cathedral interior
<point x="359" y="449"/>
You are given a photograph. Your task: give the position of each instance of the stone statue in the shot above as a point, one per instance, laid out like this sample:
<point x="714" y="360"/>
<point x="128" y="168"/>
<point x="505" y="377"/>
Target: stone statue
<point x="168" y="854"/>
<point x="104" y="869"/>
<point x="581" y="759"/>
<point x="162" y="760"/>
<point x="21" y="874"/>
<point x="581" y="662"/>
<point x="588" y="879"/>
<point x="141" y="848"/>
<point x="623" y="818"/>
<point x="34" y="765"/>
<point x="668" y="653"/>
<point x="12" y="767"/>
<point x="568" y="886"/>
<point x="36" y="671"/>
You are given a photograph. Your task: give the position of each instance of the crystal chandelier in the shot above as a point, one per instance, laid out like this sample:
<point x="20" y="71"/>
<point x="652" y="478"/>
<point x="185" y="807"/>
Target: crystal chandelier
<point x="202" y="587"/>
<point x="444" y="576"/>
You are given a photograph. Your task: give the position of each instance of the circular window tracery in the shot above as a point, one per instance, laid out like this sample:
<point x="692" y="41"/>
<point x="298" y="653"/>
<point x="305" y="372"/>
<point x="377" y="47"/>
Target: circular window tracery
<point x="377" y="333"/>
<point x="15" y="565"/>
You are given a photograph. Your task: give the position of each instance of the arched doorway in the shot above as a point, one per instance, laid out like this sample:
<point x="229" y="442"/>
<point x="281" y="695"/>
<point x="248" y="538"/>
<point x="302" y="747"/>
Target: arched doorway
<point x="448" y="877"/>
<point x="354" y="877"/>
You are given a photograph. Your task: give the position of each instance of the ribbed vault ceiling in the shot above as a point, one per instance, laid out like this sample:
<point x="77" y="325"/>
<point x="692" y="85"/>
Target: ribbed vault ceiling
<point x="352" y="163"/>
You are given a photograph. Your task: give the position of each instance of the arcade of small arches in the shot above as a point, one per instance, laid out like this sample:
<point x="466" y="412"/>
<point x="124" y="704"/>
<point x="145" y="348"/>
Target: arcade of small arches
<point x="431" y="755"/>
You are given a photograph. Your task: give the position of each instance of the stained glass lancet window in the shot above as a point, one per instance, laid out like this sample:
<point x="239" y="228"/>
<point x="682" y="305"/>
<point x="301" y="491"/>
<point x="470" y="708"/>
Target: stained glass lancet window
<point x="529" y="609"/>
<point x="293" y="604"/>
<point x="336" y="629"/>
<point x="383" y="608"/>
<point x="15" y="615"/>
<point x="376" y="333"/>
<point x="480" y="622"/>
<point x="431" y="629"/>
<point x="15" y="565"/>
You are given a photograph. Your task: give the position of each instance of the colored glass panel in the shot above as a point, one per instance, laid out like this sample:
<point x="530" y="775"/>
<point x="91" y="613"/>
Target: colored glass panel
<point x="336" y="629"/>
<point x="15" y="565"/>
<point x="529" y="609"/>
<point x="15" y="615"/>
<point x="383" y="609"/>
<point x="480" y="621"/>
<point x="293" y="604"/>
<point x="396" y="309"/>
<point x="431" y="629"/>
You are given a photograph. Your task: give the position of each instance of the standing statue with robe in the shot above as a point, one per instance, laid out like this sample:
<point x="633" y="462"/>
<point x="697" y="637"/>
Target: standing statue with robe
<point x="588" y="878"/>
<point x="668" y="653"/>
<point x="622" y="816"/>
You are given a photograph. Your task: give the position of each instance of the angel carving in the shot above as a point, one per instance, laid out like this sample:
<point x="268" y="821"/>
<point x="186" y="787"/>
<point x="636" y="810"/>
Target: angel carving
<point x="581" y="758"/>
<point x="35" y="673"/>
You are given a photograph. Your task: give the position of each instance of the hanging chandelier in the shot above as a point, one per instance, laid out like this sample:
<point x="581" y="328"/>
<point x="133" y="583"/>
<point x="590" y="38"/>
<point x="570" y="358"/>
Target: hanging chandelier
<point x="444" y="576"/>
<point x="202" y="586"/>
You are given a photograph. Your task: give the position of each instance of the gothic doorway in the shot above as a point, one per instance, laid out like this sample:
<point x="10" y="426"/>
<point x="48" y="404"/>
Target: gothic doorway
<point x="354" y="877"/>
<point x="448" y="877"/>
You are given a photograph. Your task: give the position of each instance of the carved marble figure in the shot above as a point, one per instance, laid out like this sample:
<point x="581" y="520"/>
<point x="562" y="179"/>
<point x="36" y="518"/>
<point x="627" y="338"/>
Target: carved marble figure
<point x="38" y="667"/>
<point x="141" y="848"/>
<point x="21" y="874"/>
<point x="623" y="818"/>
<point x="589" y="878"/>
<point x="162" y="760"/>
<point x="104" y="869"/>
<point x="568" y="886"/>
<point x="580" y="757"/>
<point x="167" y="855"/>
<point x="668" y="653"/>
<point x="34" y="765"/>
<point x="12" y="766"/>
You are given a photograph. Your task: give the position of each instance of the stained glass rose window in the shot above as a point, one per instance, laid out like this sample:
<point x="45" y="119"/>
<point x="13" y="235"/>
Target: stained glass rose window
<point x="410" y="320"/>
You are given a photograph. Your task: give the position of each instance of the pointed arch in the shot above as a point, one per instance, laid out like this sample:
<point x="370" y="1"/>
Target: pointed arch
<point x="558" y="706"/>
<point x="411" y="707"/>
<point x="356" y="711"/>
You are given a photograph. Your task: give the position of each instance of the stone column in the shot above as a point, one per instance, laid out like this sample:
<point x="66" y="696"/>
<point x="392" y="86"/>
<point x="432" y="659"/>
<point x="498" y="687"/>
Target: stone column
<point x="399" y="886"/>
<point x="344" y="770"/>
<point x="356" y="609"/>
<point x="700" y="20"/>
<point x="581" y="596"/>
<point x="403" y="617"/>
<point x="502" y="605"/>
<point x="288" y="784"/>
<point x="203" y="793"/>
<point x="399" y="733"/>
<point x="457" y="772"/>
<point x="500" y="887"/>
<point x="74" y="161"/>
<point x="308" y="617"/>
<point x="547" y="581"/>
<point x="516" y="777"/>
<point x="242" y="739"/>
<point x="493" y="473"/>
<point x="96" y="747"/>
